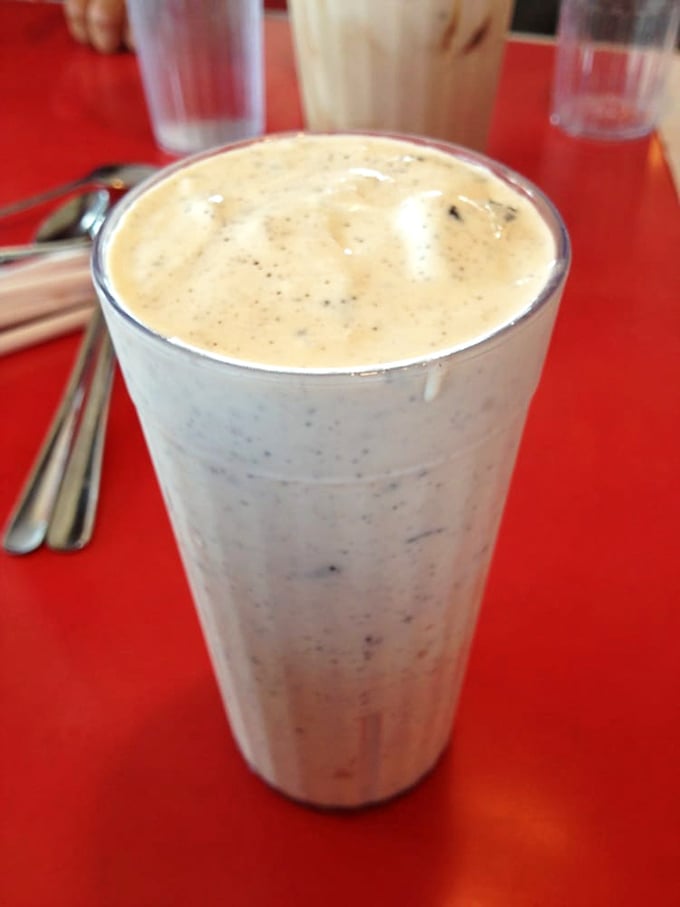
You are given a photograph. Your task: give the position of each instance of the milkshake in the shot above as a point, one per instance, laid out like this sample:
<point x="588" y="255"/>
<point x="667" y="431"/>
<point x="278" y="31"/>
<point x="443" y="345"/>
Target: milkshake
<point x="332" y="342"/>
<point x="429" y="67"/>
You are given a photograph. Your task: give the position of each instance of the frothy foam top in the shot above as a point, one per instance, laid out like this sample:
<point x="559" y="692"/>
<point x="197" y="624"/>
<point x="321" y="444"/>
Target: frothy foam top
<point x="330" y="252"/>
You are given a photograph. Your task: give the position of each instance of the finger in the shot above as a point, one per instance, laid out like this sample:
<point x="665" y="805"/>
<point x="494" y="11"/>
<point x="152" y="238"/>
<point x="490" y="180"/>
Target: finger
<point x="105" y="21"/>
<point x="76" y="19"/>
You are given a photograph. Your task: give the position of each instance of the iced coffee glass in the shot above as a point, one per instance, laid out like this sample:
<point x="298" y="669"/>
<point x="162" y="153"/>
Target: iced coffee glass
<point x="427" y="67"/>
<point x="334" y="440"/>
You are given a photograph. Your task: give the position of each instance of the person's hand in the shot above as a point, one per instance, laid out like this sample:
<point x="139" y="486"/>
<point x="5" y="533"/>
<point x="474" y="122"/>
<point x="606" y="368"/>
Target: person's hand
<point x="101" y="23"/>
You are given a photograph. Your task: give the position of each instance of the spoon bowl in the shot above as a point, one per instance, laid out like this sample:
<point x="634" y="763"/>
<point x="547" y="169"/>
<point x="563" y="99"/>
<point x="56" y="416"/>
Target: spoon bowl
<point x="72" y="225"/>
<point x="81" y="216"/>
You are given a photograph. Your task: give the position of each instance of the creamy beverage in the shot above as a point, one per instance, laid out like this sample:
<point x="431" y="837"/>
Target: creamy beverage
<point x="332" y="342"/>
<point x="350" y="252"/>
<point x="427" y="67"/>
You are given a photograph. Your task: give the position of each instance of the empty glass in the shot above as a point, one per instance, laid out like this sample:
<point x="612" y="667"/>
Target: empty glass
<point x="201" y="64"/>
<point x="613" y="59"/>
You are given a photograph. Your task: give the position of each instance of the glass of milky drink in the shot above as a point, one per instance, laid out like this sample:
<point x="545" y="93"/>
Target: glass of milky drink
<point x="332" y="342"/>
<point x="427" y="67"/>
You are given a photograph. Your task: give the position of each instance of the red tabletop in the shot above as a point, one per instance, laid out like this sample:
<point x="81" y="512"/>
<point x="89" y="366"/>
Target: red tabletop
<point x="120" y="782"/>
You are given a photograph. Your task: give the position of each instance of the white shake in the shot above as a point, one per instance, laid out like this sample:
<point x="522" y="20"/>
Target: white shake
<point x="335" y="475"/>
<point x="427" y="67"/>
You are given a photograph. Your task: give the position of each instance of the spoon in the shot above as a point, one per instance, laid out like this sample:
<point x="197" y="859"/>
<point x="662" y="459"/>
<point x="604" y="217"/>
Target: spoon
<point x="112" y="176"/>
<point x="58" y="501"/>
<point x="72" y="225"/>
<point x="29" y="522"/>
<point x="81" y="216"/>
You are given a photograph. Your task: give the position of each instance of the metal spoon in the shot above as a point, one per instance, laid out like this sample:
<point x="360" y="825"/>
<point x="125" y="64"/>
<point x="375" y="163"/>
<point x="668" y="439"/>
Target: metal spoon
<point x="29" y="521"/>
<point x="59" y="498"/>
<point x="81" y="216"/>
<point x="71" y="522"/>
<point x="112" y="176"/>
<point x="70" y="226"/>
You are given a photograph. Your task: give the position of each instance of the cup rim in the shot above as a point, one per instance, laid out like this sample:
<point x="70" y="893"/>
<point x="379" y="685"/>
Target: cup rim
<point x="546" y="209"/>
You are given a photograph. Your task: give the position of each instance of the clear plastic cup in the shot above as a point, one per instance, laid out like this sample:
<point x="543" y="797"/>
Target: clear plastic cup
<point x="202" y="70"/>
<point x="336" y="526"/>
<point x="613" y="60"/>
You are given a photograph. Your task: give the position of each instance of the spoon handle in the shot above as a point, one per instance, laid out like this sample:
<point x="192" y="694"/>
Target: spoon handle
<point x="28" y="523"/>
<point x="51" y="247"/>
<point x="72" y="521"/>
<point x="33" y="200"/>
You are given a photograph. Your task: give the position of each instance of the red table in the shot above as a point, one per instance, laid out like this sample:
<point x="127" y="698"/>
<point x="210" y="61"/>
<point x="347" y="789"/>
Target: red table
<point x="120" y="782"/>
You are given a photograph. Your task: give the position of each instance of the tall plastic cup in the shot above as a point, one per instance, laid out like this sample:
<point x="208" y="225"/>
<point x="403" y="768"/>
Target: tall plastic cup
<point x="202" y="70"/>
<point x="336" y="526"/>
<point x="612" y="66"/>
